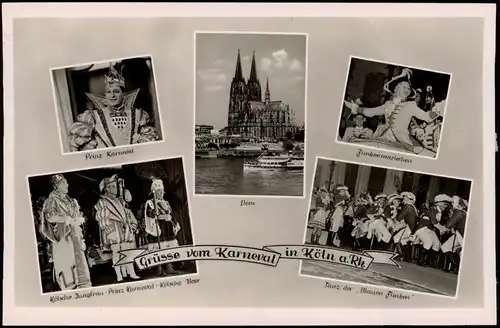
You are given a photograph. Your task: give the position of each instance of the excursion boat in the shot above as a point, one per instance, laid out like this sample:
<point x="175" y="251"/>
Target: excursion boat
<point x="267" y="162"/>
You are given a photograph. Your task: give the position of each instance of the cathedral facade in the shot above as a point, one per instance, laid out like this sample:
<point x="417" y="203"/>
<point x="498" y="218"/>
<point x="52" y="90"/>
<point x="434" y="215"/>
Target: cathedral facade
<point x="252" y="118"/>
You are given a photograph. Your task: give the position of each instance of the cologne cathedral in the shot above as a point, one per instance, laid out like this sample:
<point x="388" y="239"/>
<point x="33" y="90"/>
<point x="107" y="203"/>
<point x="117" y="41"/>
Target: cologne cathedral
<point x="252" y="118"/>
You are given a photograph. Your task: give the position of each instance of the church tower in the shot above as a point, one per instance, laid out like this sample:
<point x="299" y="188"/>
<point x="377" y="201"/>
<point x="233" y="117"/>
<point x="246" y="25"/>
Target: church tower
<point x="254" y="90"/>
<point x="268" y="93"/>
<point x="237" y="97"/>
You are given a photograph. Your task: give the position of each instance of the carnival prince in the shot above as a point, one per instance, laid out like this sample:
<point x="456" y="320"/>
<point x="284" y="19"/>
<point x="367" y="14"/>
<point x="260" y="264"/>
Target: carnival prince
<point x="114" y="121"/>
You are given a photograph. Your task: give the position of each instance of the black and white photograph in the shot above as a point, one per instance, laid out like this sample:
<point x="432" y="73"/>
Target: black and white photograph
<point x="393" y="107"/>
<point x="83" y="219"/>
<point x="250" y="114"/>
<point x="420" y="218"/>
<point x="106" y="105"/>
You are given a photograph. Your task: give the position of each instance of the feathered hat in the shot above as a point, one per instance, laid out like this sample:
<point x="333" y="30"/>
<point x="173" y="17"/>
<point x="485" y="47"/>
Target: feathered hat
<point x="380" y="196"/>
<point x="56" y="179"/>
<point x="405" y="76"/>
<point x="409" y="196"/>
<point x="442" y="198"/>
<point x="114" y="77"/>
<point x="393" y="197"/>
<point x="106" y="181"/>
<point x="157" y="184"/>
<point x="366" y="198"/>
<point x="459" y="202"/>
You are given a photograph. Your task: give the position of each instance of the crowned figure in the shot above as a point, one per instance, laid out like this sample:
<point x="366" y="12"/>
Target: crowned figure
<point x="117" y="223"/>
<point x="61" y="225"/>
<point x="398" y="113"/>
<point x="114" y="121"/>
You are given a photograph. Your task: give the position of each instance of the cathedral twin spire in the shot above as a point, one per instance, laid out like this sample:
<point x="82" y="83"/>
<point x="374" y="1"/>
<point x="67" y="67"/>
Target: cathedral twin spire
<point x="238" y="74"/>
<point x="254" y="88"/>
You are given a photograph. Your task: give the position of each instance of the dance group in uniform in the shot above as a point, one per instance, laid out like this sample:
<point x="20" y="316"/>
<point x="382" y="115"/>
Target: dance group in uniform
<point x="62" y="225"/>
<point x="392" y="223"/>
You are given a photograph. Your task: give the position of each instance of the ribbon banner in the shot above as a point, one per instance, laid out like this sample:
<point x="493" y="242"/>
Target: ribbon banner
<point x="267" y="255"/>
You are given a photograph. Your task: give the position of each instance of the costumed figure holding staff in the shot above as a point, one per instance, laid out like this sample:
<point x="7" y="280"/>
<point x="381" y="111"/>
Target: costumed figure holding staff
<point x="425" y="233"/>
<point x="117" y="223"/>
<point x="456" y="223"/>
<point x="405" y="224"/>
<point x="114" y="121"/>
<point x="398" y="113"/>
<point x="318" y="221"/>
<point x="360" y="220"/>
<point x="61" y="224"/>
<point x="160" y="225"/>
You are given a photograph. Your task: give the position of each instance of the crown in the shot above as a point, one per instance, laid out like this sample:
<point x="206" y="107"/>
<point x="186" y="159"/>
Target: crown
<point x="55" y="179"/>
<point x="114" y="77"/>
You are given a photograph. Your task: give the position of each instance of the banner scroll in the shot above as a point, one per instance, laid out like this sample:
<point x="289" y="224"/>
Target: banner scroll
<point x="267" y="255"/>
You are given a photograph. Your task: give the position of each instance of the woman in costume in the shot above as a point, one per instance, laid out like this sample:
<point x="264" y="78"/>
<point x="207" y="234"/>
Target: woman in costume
<point x="62" y="225"/>
<point x="160" y="225"/>
<point x="398" y="112"/>
<point x="318" y="221"/>
<point x="117" y="223"/>
<point x="114" y="121"/>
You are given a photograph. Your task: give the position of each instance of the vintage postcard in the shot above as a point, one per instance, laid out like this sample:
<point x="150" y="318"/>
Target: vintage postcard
<point x="171" y="164"/>
<point x="250" y="114"/>
<point x="84" y="220"/>
<point x="393" y="107"/>
<point x="420" y="218"/>
<point x="107" y="104"/>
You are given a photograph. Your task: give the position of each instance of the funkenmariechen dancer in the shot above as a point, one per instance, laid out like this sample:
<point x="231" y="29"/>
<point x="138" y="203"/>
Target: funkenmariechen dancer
<point x="117" y="223"/>
<point x="114" y="121"/>
<point x="61" y="224"/>
<point x="398" y="113"/>
<point x="160" y="225"/>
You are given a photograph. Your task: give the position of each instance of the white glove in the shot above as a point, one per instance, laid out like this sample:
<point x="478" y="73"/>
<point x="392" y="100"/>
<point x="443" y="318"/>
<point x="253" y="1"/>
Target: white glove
<point x="352" y="106"/>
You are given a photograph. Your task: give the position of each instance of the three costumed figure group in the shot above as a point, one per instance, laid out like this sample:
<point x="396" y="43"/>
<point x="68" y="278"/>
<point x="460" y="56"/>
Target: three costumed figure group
<point x="62" y="223"/>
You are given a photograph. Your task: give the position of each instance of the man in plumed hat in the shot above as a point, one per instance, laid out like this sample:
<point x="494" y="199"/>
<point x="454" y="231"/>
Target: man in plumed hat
<point x="117" y="223"/>
<point x="336" y="218"/>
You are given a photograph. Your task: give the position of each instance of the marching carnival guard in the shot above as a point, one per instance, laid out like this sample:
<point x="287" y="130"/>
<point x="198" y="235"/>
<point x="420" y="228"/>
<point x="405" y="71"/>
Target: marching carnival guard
<point x="398" y="112"/>
<point x="360" y="218"/>
<point x="405" y="224"/>
<point x="117" y="223"/>
<point x="376" y="217"/>
<point x="426" y="235"/>
<point x="318" y="221"/>
<point x="456" y="223"/>
<point x="61" y="224"/>
<point x="336" y="218"/>
<point x="114" y="121"/>
<point x="160" y="225"/>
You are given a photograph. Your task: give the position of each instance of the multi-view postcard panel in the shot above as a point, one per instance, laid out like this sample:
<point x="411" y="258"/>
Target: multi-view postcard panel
<point x="83" y="219"/>
<point x="250" y="114"/>
<point x="420" y="218"/>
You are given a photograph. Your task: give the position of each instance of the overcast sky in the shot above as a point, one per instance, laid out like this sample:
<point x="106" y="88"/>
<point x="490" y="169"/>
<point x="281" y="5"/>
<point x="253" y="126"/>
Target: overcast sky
<point x="281" y="58"/>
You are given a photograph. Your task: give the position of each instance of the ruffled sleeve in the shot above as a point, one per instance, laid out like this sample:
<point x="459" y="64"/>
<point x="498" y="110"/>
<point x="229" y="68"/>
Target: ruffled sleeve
<point x="146" y="132"/>
<point x="81" y="133"/>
